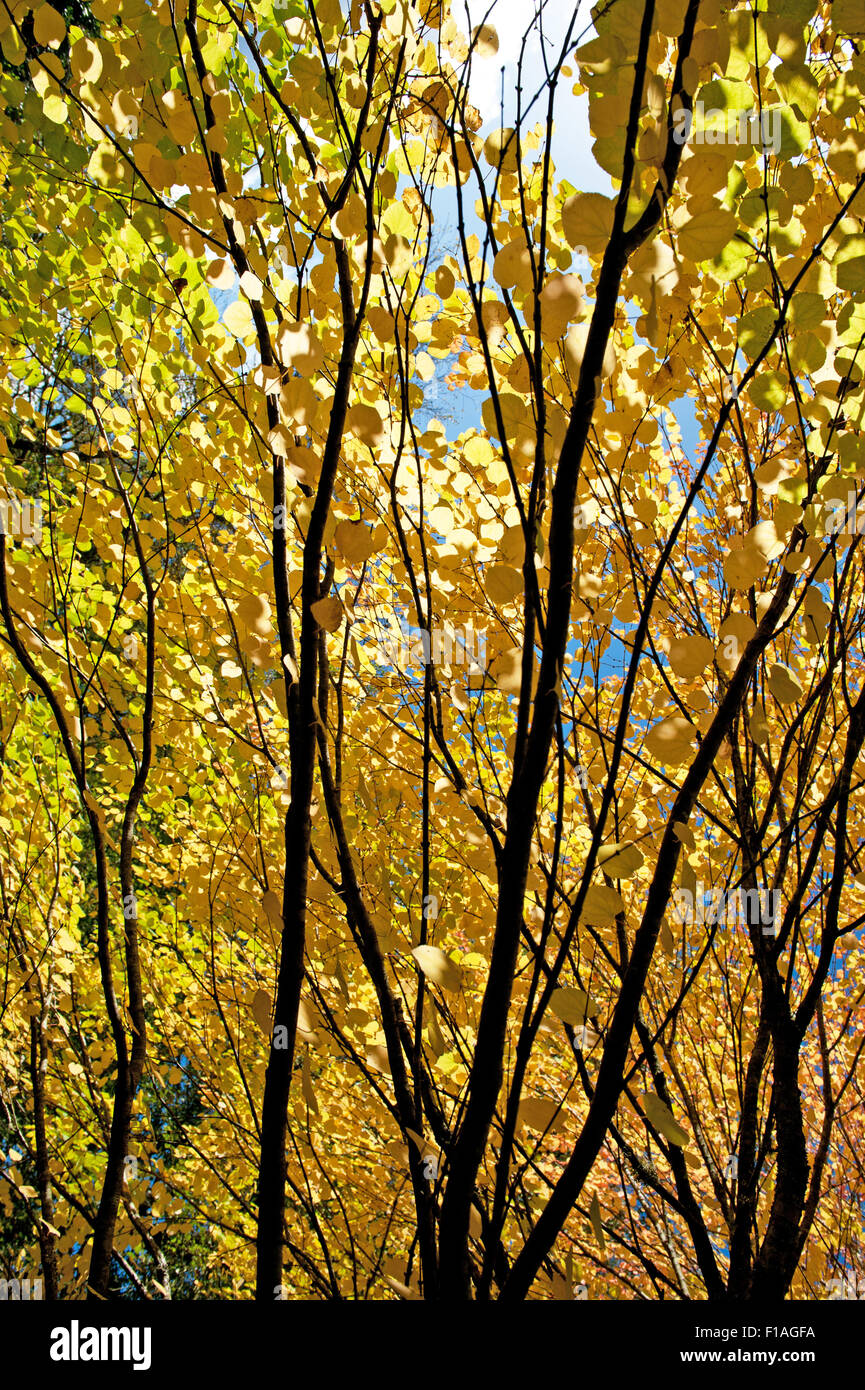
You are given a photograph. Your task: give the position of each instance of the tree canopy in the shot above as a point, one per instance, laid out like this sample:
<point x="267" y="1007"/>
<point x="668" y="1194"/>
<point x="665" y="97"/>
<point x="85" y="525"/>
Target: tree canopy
<point x="432" y="703"/>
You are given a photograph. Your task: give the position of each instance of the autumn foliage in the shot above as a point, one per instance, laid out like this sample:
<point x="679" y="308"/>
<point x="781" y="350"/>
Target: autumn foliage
<point x="432" y="701"/>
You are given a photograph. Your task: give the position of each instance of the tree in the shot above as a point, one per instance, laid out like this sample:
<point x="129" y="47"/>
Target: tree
<point x="471" y="812"/>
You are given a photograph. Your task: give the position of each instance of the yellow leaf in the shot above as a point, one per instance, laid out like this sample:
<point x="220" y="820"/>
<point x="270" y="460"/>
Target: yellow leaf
<point x="104" y="167"/>
<point x="661" y="1117"/>
<point x="503" y="583"/>
<point x="513" y="412"/>
<point x="620" y="860"/>
<point x="669" y="741"/>
<point x="280" y="440"/>
<point x="479" y="451"/>
<point x="262" y="1010"/>
<point x="706" y="234"/>
<point x="595" y="1218"/>
<point x="561" y="300"/>
<point x="540" y="1113"/>
<point x="299" y="347"/>
<point x="381" y="323"/>
<point x="298" y="401"/>
<point x="328" y="613"/>
<point x="49" y="27"/>
<point x="587" y="221"/>
<point x="740" y="626"/>
<point x="85" y="59"/>
<point x="436" y="1037"/>
<point x="513" y="264"/>
<point x="403" y="1290"/>
<point x="397" y="253"/>
<point x="273" y="907"/>
<point x="572" y="1006"/>
<point x="351" y="219"/>
<point x="575" y="347"/>
<point x="784" y="685"/>
<point x="689" y="656"/>
<point x="684" y="834"/>
<point x="485" y="40"/>
<point x="220" y="274"/>
<point x="306" y="1085"/>
<point x="848" y="17"/>
<point x="743" y="567"/>
<point x="758" y="727"/>
<point x="425" y="366"/>
<point x="377" y="1059"/>
<point x="444" y="282"/>
<point x="305" y="1023"/>
<point x="13" y="48"/>
<point x="506" y="670"/>
<point x="354" y="541"/>
<point x="254" y="611"/>
<point x="93" y="804"/>
<point x="238" y="318"/>
<point x="367" y="424"/>
<point x="55" y="108"/>
<point x="500" y="149"/>
<point x="422" y="1145"/>
<point x="438" y="967"/>
<point x="250" y="285"/>
<point x="763" y="538"/>
<point x="601" y="906"/>
<point x="355" y="92"/>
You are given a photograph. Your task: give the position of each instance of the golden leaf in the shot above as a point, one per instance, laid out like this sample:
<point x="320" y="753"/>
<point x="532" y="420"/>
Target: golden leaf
<point x="661" y="1117"/>
<point x="620" y="860"/>
<point x="49" y="27"/>
<point x="354" y="541"/>
<point x="438" y="967"/>
<point x="784" y="685"/>
<point x="367" y="424"/>
<point x="595" y="1218"/>
<point x="669" y="741"/>
<point x="539" y="1113"/>
<point x="262" y="1010"/>
<point x="485" y="40"/>
<point x="587" y="220"/>
<point x="506" y="670"/>
<point x="689" y="656"/>
<point x="572" y="1005"/>
<point x="328" y="613"/>
<point x="500" y="149"/>
<point x="503" y="583"/>
<point x="377" y="1059"/>
<point x="706" y="234"/>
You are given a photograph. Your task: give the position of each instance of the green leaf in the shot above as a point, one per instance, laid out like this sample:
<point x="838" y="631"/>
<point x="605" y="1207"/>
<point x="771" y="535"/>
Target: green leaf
<point x="798" y="87"/>
<point x="755" y="330"/>
<point x="806" y="310"/>
<point x="706" y="234"/>
<point x="795" y="134"/>
<point x="807" y="353"/>
<point x="850" y="274"/>
<point x="768" y="390"/>
<point x="733" y="261"/>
